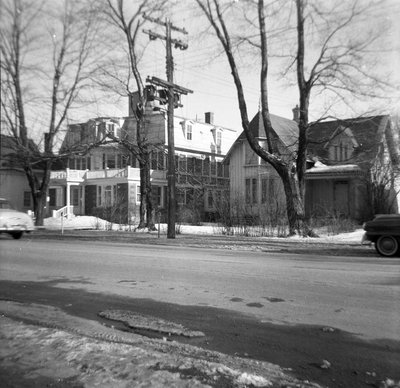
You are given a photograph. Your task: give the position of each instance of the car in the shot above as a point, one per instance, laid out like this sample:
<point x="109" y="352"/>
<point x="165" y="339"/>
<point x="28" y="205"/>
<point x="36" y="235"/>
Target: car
<point x="12" y="221"/>
<point x="384" y="232"/>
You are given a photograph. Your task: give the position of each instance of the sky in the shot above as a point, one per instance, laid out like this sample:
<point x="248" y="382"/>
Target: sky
<point x="200" y="69"/>
<point x="203" y="68"/>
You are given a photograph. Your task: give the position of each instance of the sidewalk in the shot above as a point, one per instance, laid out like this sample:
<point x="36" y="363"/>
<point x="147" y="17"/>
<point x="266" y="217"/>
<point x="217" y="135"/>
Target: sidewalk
<point x="43" y="346"/>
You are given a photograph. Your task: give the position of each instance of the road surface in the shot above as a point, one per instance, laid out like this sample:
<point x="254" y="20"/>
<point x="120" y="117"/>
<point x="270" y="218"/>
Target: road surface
<point x="294" y="310"/>
<point x="354" y="294"/>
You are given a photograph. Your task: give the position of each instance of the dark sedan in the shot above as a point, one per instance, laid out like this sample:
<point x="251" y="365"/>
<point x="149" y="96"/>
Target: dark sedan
<point x="384" y="232"/>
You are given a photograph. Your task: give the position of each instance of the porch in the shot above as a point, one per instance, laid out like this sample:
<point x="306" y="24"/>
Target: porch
<point x="67" y="187"/>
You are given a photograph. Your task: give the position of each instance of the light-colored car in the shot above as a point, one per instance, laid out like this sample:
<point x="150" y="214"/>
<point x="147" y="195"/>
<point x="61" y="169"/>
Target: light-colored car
<point x="14" y="222"/>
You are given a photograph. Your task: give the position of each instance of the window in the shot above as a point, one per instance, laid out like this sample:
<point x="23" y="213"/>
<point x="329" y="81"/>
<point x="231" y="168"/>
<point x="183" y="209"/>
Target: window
<point x="182" y="164"/>
<point x="210" y="199"/>
<point x="180" y="196"/>
<point x="213" y="168"/>
<point x="220" y="169"/>
<point x="264" y="187"/>
<point x="99" y="192"/>
<point x="156" y="195"/>
<point x="247" y="190"/>
<point x="189" y="132"/>
<point x="138" y="193"/>
<point x="341" y="151"/>
<point x="197" y="166"/>
<point x="190" y="165"/>
<point x="251" y="156"/>
<point x="27" y="199"/>
<point x="251" y="194"/>
<point x="206" y="167"/>
<point x="52" y="196"/>
<point x="109" y="161"/>
<point x="110" y="128"/>
<point x="273" y="188"/>
<point x="254" y="190"/>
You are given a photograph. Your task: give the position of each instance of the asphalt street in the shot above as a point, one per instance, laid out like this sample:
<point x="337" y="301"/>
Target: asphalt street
<point x="291" y="309"/>
<point x="353" y="294"/>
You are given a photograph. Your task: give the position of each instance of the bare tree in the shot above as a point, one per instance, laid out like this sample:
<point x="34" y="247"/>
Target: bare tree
<point x="45" y="67"/>
<point x="129" y="22"/>
<point x="335" y="66"/>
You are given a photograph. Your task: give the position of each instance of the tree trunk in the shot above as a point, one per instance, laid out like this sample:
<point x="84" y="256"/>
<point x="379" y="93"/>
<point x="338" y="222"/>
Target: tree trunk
<point x="149" y="202"/>
<point x="143" y="196"/>
<point x="146" y="201"/>
<point x="149" y="223"/>
<point x="40" y="212"/>
<point x="294" y="203"/>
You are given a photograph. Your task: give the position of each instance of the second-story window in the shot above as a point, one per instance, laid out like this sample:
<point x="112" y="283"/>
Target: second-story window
<point x="110" y="128"/>
<point x="340" y="151"/>
<point x="189" y="132"/>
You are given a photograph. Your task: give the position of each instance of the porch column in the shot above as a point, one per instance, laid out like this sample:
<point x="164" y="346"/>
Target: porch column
<point x="68" y="200"/>
<point x="82" y="210"/>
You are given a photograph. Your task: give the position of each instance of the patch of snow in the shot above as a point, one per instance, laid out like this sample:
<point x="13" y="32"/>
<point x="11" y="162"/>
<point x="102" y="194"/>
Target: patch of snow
<point x="95" y="223"/>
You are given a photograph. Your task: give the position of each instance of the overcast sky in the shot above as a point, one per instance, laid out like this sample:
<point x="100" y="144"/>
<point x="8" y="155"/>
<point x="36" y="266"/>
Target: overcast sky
<point x="199" y="69"/>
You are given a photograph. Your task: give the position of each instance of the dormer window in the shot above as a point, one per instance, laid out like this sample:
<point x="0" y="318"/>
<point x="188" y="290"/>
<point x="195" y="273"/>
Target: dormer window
<point x="110" y="128"/>
<point x="189" y="132"/>
<point x="187" y="129"/>
<point x="340" y="151"/>
<point x="341" y="145"/>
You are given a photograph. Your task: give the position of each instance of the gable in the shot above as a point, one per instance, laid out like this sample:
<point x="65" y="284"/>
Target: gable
<point x="285" y="133"/>
<point x="361" y="137"/>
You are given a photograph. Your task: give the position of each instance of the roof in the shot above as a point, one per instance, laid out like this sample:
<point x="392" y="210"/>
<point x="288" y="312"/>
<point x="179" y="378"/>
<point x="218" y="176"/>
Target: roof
<point x="366" y="133"/>
<point x="10" y="143"/>
<point x="285" y="130"/>
<point x="321" y="170"/>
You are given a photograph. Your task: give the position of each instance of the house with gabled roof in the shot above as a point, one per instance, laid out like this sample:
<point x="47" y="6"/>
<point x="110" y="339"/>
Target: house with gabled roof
<point x="353" y="167"/>
<point x="255" y="187"/>
<point x="108" y="175"/>
<point x="350" y="163"/>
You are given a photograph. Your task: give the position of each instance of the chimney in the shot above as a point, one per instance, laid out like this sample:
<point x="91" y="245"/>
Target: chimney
<point x="296" y="114"/>
<point x="209" y="117"/>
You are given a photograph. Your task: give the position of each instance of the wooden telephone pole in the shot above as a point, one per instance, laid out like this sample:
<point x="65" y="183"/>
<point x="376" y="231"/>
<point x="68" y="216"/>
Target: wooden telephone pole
<point x="173" y="89"/>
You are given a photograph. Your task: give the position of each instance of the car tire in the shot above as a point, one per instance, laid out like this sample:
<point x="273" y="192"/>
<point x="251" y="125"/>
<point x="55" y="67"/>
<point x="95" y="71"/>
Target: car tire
<point x="16" y="235"/>
<point x="387" y="246"/>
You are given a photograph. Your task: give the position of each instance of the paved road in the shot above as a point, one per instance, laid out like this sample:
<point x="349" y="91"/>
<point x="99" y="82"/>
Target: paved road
<point x="355" y="294"/>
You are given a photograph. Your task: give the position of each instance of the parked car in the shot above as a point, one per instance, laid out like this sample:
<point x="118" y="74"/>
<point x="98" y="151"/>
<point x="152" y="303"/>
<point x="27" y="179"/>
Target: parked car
<point x="384" y="232"/>
<point x="14" y="222"/>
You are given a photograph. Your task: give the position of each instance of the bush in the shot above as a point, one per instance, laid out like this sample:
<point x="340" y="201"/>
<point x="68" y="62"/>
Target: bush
<point x="189" y="215"/>
<point x="333" y="223"/>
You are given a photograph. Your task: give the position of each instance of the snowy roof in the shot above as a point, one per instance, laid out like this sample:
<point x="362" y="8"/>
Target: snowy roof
<point x="343" y="169"/>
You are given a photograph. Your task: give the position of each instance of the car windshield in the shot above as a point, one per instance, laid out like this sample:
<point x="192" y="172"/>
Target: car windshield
<point x="4" y="204"/>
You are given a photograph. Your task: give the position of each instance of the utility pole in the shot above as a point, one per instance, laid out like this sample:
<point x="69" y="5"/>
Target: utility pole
<point x="172" y="90"/>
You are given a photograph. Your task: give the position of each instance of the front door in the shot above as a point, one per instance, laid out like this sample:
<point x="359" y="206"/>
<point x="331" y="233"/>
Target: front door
<point x="76" y="199"/>
<point x="341" y="198"/>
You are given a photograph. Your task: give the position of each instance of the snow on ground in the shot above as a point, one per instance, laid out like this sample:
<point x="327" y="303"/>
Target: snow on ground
<point x="94" y="223"/>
